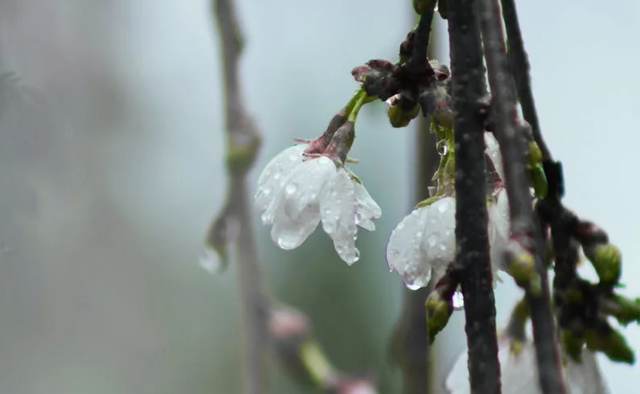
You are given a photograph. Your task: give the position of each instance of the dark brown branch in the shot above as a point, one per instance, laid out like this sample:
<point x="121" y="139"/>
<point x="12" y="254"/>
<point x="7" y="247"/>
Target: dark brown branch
<point x="520" y="68"/>
<point x="513" y="148"/>
<point x="418" y="63"/>
<point x="472" y="242"/>
<point x="235" y="222"/>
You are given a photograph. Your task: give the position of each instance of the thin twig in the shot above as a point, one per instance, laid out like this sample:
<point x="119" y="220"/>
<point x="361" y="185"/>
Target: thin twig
<point x="418" y="63"/>
<point x="472" y="242"/>
<point x="243" y="141"/>
<point x="512" y="146"/>
<point x="520" y="68"/>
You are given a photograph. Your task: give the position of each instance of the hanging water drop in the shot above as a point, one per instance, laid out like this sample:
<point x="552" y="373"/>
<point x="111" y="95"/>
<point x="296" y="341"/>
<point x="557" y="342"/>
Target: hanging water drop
<point x="291" y="188"/>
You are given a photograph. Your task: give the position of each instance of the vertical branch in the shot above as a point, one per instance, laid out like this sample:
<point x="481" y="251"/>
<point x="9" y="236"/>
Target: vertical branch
<point x="243" y="142"/>
<point x="472" y="255"/>
<point x="409" y="344"/>
<point x="520" y="68"/>
<point x="512" y="145"/>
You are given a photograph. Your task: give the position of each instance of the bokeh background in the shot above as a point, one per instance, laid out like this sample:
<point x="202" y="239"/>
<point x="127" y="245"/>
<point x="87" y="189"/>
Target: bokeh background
<point x="103" y="212"/>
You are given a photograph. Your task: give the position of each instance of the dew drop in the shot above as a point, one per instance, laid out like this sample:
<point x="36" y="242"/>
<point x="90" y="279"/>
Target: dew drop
<point x="458" y="300"/>
<point x="291" y="188"/>
<point x="287" y="242"/>
<point x="442" y="208"/>
<point x="441" y="147"/>
<point x="432" y="240"/>
<point x="418" y="283"/>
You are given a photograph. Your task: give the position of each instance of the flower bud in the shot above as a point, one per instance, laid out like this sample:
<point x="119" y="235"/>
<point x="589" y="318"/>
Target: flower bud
<point x="623" y="309"/>
<point x="438" y="312"/>
<point x="572" y="344"/>
<point x="611" y="343"/>
<point x="521" y="265"/>
<point x="399" y="117"/>
<point x="606" y="259"/>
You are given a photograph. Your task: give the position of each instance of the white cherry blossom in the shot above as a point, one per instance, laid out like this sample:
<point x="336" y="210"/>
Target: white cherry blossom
<point x="296" y="193"/>
<point x="519" y="372"/>
<point x="424" y="244"/>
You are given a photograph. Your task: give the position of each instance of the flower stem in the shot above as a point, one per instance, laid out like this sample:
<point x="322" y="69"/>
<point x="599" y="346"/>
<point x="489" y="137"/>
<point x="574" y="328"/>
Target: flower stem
<point x="353" y="108"/>
<point x="472" y="242"/>
<point x="242" y="136"/>
<point x="520" y="68"/>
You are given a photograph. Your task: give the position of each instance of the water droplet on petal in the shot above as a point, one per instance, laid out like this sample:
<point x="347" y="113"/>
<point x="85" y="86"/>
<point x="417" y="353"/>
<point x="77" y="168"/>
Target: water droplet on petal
<point x="416" y="284"/>
<point x="287" y="242"/>
<point x="442" y="208"/>
<point x="432" y="240"/>
<point x="291" y="188"/>
<point x="441" y="147"/>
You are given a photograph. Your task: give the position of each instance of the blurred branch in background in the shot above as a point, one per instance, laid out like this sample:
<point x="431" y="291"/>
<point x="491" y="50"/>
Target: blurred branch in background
<point x="235" y="224"/>
<point x="409" y="345"/>
<point x="287" y="330"/>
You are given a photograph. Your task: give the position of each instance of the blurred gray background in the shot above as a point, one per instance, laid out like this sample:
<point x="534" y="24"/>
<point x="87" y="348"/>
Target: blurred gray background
<point x="102" y="218"/>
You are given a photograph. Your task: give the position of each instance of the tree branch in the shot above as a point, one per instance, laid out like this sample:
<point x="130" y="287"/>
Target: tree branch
<point x="523" y="228"/>
<point x="520" y="68"/>
<point x="472" y="242"/>
<point x="235" y="222"/>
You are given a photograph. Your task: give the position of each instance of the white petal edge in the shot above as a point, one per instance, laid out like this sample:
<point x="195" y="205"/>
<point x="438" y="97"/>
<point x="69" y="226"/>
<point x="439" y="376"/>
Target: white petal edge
<point x="493" y="151"/>
<point x="338" y="214"/>
<point x="404" y="254"/>
<point x="272" y="179"/>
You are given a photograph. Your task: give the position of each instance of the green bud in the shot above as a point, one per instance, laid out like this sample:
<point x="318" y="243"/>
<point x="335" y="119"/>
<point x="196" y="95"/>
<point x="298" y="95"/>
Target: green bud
<point x="522" y="267"/>
<point x="607" y="261"/>
<point x="625" y="310"/>
<point x="572" y="345"/>
<point x="534" y="156"/>
<point x="399" y="117"/>
<point x="438" y="313"/>
<point x="241" y="156"/>
<point x="612" y="344"/>
<point x="539" y="181"/>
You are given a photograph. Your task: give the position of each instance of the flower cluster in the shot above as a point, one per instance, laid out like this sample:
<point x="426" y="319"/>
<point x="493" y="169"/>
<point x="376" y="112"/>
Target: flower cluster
<point x="296" y="193"/>
<point x="308" y="184"/>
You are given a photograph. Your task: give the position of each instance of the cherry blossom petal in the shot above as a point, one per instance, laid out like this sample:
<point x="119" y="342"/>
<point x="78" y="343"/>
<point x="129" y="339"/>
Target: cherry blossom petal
<point x="338" y="213"/>
<point x="273" y="178"/>
<point x="404" y="254"/>
<point x="438" y="239"/>
<point x="493" y="151"/>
